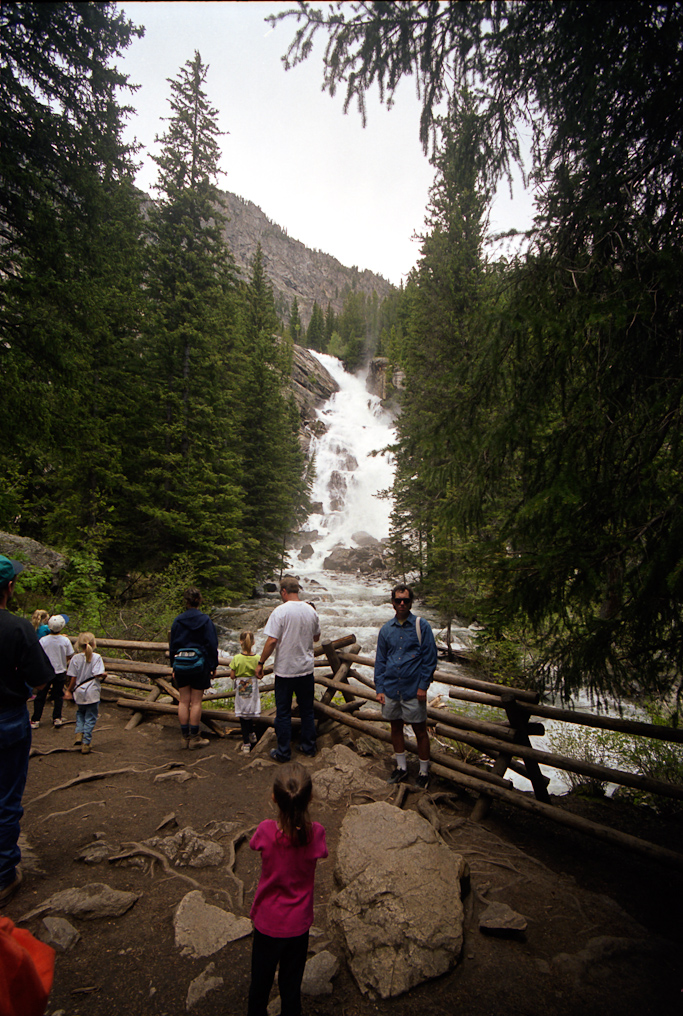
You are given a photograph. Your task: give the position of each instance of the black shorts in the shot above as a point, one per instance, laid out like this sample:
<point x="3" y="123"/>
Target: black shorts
<point x="200" y="681"/>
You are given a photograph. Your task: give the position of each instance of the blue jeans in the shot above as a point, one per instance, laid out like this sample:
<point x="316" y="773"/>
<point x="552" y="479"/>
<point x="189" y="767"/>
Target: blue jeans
<point x="15" y="743"/>
<point x="303" y="687"/>
<point x="86" y="718"/>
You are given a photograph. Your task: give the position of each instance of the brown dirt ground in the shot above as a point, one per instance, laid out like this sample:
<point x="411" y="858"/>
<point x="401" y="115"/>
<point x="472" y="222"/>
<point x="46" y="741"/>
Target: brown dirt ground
<point x="572" y="890"/>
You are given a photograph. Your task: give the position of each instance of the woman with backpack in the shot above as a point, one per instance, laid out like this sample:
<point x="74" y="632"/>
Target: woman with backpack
<point x="193" y="650"/>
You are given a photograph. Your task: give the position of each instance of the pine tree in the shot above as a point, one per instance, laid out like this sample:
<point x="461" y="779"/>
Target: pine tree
<point x="189" y="470"/>
<point x="315" y="334"/>
<point x="276" y="490"/>
<point x="69" y="258"/>
<point x="295" y="326"/>
<point x="330" y="326"/>
<point x="436" y="441"/>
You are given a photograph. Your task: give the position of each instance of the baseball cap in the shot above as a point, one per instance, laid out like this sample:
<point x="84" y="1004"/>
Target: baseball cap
<point x="9" y="569"/>
<point x="57" y="622"/>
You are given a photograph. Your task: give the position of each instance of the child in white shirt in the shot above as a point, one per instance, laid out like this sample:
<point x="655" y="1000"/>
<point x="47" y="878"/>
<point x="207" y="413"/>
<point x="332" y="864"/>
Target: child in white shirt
<point x="59" y="651"/>
<point x="86" y="671"/>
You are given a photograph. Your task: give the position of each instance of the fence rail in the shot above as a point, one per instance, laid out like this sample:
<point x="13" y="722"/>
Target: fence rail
<point x="504" y="744"/>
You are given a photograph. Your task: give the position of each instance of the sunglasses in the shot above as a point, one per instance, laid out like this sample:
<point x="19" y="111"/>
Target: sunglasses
<point x="402" y="599"/>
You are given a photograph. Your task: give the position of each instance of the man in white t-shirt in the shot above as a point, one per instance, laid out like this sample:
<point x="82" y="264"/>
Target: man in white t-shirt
<point x="291" y="630"/>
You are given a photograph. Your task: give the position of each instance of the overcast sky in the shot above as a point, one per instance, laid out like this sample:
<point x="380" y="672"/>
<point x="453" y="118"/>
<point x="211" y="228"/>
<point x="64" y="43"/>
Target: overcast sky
<point x="358" y="194"/>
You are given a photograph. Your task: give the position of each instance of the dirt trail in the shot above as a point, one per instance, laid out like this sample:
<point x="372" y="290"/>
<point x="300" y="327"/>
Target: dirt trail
<point x="603" y="931"/>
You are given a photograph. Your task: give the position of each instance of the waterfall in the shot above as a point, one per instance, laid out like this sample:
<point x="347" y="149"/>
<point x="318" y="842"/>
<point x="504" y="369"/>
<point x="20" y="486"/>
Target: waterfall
<point x="348" y="479"/>
<point x="348" y="475"/>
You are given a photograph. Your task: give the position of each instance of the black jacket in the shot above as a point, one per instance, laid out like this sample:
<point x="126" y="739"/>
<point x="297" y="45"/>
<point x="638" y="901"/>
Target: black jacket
<point x="22" y="661"/>
<point x="194" y="630"/>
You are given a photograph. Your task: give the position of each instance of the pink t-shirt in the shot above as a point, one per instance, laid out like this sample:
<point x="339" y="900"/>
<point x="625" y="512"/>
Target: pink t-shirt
<point x="283" y="904"/>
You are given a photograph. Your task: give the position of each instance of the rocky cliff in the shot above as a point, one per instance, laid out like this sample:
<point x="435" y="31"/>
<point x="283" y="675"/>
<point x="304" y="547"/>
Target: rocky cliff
<point x="311" y="386"/>
<point x="293" y="269"/>
<point x="385" y="381"/>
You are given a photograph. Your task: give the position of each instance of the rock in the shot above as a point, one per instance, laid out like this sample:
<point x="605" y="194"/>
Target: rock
<point x="188" y="848"/>
<point x="201" y="986"/>
<point x="337" y="488"/>
<point x="311" y="384"/>
<point x="368" y="560"/>
<point x="178" y="775"/>
<point x="500" y="919"/>
<point x="364" y="539"/>
<point x="399" y="910"/>
<point x="343" y="775"/>
<point x="383" y="380"/>
<point x="96" y="852"/>
<point x="306" y="552"/>
<point x="89" y="902"/>
<point x="36" y="554"/>
<point x="202" y="929"/>
<point x="251" y="616"/>
<point x="598" y="951"/>
<point x="59" y="933"/>
<point x="318" y="974"/>
<point x="295" y="541"/>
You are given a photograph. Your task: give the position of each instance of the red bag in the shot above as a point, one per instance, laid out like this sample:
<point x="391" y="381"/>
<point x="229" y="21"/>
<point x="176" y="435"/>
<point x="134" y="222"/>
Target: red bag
<point x="27" y="969"/>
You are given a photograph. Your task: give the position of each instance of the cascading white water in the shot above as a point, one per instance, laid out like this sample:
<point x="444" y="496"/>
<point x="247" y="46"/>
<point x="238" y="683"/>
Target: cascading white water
<point x="348" y="479"/>
<point x="348" y="475"/>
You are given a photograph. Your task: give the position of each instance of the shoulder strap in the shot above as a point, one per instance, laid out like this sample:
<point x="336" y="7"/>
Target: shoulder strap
<point x="418" y="631"/>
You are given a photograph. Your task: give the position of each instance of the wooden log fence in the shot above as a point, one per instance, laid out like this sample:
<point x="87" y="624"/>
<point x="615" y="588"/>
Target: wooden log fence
<point x="505" y="743"/>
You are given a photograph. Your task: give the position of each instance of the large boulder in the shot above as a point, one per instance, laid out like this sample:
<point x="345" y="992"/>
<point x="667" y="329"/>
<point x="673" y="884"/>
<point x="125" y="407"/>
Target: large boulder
<point x="366" y="560"/>
<point x="399" y="910"/>
<point x="36" y="554"/>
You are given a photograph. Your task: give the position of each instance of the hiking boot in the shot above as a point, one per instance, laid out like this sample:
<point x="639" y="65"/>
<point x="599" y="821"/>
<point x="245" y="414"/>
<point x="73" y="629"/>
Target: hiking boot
<point x="85" y="749"/>
<point x="8" y="891"/>
<point x="422" y="781"/>
<point x="78" y="739"/>
<point x="184" y="741"/>
<point x="197" y="742"/>
<point x="398" y="776"/>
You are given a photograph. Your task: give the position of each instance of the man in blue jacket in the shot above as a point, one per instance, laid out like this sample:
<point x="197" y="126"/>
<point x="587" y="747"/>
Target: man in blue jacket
<point x="404" y="667"/>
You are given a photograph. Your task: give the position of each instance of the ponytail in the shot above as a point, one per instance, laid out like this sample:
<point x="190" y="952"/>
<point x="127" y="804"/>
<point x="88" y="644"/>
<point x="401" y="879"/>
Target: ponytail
<point x="292" y="791"/>
<point x="247" y="640"/>
<point x="86" y="644"/>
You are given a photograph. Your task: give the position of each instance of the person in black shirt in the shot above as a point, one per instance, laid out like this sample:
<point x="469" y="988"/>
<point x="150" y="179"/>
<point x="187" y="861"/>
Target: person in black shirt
<point x="23" y="665"/>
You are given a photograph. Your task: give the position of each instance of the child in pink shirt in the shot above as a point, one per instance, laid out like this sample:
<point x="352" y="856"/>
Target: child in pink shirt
<point x="282" y="910"/>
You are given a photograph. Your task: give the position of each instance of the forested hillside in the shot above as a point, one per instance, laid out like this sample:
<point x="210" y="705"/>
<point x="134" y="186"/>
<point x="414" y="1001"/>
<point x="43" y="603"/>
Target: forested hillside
<point x="539" y="483"/>
<point x="295" y="271"/>
<point x="129" y="342"/>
